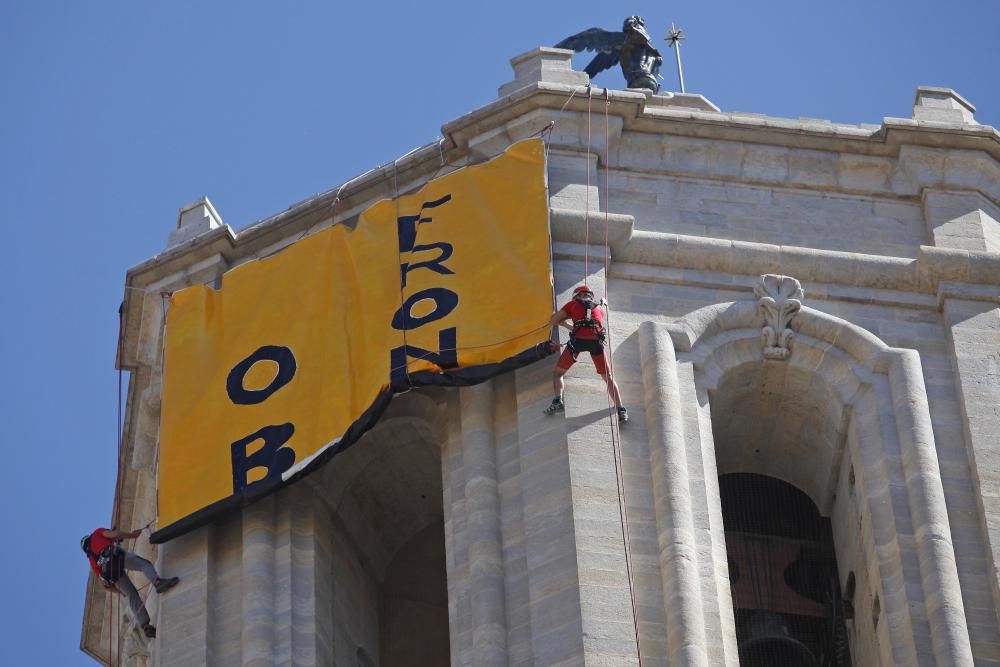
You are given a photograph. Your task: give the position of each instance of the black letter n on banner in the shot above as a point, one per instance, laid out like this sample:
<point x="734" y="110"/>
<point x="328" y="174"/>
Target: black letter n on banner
<point x="446" y="357"/>
<point x="272" y="456"/>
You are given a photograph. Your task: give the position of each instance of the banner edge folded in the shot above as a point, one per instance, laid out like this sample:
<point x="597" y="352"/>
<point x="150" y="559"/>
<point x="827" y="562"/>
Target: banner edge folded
<point x="463" y="377"/>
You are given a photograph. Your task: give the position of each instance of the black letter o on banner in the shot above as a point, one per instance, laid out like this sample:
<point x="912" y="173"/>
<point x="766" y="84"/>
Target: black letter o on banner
<point x="444" y="300"/>
<point x="280" y="355"/>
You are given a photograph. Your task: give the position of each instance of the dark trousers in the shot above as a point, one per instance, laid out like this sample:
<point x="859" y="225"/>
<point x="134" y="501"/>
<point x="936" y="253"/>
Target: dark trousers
<point x="127" y="588"/>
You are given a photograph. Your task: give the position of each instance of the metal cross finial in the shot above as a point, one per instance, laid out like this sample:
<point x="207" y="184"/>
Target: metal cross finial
<point x="674" y="38"/>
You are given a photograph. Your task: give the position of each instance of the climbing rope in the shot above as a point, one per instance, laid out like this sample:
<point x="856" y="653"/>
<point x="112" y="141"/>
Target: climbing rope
<point x="615" y="428"/>
<point x="616" y="447"/>
<point x="114" y="601"/>
<point x="586" y="208"/>
<point x="110" y="604"/>
<point x="164" y="302"/>
<point x="115" y="614"/>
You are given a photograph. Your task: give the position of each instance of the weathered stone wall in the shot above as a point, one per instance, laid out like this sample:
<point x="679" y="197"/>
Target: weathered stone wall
<point x="884" y="410"/>
<point x="772" y="214"/>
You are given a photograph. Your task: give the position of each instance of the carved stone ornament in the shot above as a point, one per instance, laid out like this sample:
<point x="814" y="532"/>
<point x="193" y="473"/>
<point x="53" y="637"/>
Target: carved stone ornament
<point x="778" y="301"/>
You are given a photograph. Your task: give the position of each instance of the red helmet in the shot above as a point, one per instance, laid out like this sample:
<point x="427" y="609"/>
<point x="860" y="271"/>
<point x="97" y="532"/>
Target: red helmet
<point x="581" y="290"/>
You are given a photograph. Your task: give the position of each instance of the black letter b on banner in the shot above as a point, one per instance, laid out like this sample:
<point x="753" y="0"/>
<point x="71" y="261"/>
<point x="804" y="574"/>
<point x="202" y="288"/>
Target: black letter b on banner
<point x="272" y="456"/>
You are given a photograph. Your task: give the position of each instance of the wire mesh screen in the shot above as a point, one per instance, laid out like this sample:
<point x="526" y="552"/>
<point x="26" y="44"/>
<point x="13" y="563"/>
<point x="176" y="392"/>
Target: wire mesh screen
<point x="783" y="573"/>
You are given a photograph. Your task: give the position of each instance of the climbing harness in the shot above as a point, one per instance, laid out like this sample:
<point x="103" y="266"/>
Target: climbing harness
<point x="110" y="560"/>
<point x="589" y="321"/>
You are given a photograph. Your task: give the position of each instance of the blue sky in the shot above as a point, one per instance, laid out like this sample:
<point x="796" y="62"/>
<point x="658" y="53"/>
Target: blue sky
<point x="114" y="114"/>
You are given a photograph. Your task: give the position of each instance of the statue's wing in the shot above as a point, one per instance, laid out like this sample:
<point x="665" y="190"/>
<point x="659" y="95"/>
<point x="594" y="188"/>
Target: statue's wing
<point x="607" y="44"/>
<point x="594" y="39"/>
<point x="601" y="62"/>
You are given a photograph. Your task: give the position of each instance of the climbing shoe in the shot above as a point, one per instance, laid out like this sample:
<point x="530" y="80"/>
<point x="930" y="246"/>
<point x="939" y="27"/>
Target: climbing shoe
<point x="555" y="406"/>
<point x="162" y="585"/>
<point x="149" y="631"/>
<point x="622" y="415"/>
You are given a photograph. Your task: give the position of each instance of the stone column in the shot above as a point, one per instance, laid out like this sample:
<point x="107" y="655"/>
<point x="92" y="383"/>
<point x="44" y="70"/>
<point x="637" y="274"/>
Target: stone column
<point x="482" y="528"/>
<point x="685" y="623"/>
<point x="974" y="333"/>
<point x="258" y="631"/>
<point x="605" y="597"/>
<point x="517" y="602"/>
<point x="460" y="635"/>
<point x="546" y="499"/>
<point x="709" y="531"/>
<point x="929" y="513"/>
<point x="894" y="639"/>
<point x="184" y="614"/>
<point x="303" y="582"/>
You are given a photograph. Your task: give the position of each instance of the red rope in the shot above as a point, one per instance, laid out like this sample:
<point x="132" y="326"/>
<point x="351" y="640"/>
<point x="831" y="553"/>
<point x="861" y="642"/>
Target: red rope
<point x="110" y="601"/>
<point x="116" y="509"/>
<point x="615" y="430"/>
<point x="118" y="423"/>
<point x="586" y="208"/>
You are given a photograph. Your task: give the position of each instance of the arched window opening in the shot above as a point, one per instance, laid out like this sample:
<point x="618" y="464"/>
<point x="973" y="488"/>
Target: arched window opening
<point x="783" y="574"/>
<point x="413" y="604"/>
<point x="388" y="574"/>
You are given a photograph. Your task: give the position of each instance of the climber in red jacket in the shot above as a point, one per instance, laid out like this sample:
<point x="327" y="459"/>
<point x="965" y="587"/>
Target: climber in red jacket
<point x="109" y="561"/>
<point x="585" y="320"/>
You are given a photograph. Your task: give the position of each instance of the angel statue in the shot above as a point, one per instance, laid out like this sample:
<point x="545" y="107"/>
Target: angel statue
<point x="631" y="48"/>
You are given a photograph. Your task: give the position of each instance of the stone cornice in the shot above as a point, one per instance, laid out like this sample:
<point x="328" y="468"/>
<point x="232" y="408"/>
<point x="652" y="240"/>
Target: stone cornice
<point x="973" y="275"/>
<point x="640" y="114"/>
<point x="922" y="275"/>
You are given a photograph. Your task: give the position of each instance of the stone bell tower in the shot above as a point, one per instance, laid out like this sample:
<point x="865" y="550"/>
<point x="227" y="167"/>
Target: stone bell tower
<point x="806" y="328"/>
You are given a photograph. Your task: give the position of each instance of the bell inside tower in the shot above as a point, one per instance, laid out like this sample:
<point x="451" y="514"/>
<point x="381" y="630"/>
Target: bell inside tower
<point x="783" y="575"/>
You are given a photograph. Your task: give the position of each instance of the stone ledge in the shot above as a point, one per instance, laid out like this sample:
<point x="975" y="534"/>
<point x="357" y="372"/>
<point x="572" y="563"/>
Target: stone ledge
<point x="677" y="100"/>
<point x="960" y="266"/>
<point x="922" y="274"/>
<point x="966" y="292"/>
<point x="863" y="138"/>
<point x="571" y="226"/>
<point x="715" y="280"/>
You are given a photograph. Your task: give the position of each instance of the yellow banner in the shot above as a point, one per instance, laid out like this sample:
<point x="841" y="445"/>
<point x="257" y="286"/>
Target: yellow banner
<point x="297" y="354"/>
